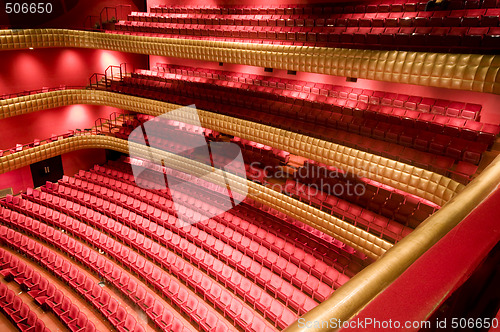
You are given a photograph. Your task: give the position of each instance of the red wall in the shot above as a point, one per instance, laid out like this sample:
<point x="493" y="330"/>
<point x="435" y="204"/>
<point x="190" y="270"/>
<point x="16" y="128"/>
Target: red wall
<point x="24" y="129"/>
<point x="18" y="180"/>
<point x="490" y="102"/>
<point x="34" y="69"/>
<point x="82" y="159"/>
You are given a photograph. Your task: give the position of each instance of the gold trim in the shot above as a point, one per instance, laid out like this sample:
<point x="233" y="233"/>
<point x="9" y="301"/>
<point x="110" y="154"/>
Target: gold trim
<point x="426" y="184"/>
<point x="474" y="72"/>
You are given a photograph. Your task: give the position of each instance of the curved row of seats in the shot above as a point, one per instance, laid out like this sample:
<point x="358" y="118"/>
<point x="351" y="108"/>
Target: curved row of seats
<point x="406" y="209"/>
<point x="352" y="115"/>
<point x="375" y="224"/>
<point x="409" y="211"/>
<point x="463" y="26"/>
<point x="285" y="292"/>
<point x="455" y="18"/>
<point x="325" y="247"/>
<point x="61" y="267"/>
<point x="399" y="146"/>
<point x="124" y="281"/>
<point x="36" y="142"/>
<point x="156" y="129"/>
<point x="465" y="39"/>
<point x="186" y="269"/>
<point x="324" y="9"/>
<point x="320" y="291"/>
<point x="18" y="312"/>
<point x="279" y="86"/>
<point x="274" y="227"/>
<point x="43" y="292"/>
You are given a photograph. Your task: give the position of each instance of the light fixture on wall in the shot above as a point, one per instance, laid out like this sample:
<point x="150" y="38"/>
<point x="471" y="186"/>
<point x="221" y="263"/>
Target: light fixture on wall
<point x="30" y="47"/>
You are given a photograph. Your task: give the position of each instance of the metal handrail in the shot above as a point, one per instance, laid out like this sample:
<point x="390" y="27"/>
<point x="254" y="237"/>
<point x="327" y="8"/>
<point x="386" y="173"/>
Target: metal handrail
<point x="121" y="12"/>
<point x="95" y="77"/>
<point x="38" y="142"/>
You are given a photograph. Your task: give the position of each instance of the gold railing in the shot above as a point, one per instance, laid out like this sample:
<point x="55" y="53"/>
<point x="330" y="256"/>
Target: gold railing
<point x="367" y="284"/>
<point x="474" y="72"/>
<point x="426" y="184"/>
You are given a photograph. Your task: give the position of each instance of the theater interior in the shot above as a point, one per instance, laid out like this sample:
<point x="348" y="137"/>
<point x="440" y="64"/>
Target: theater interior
<point x="250" y="165"/>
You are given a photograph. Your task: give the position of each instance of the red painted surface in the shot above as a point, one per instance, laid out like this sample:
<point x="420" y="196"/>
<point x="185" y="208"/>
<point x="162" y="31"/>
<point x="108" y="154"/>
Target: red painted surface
<point x="34" y="69"/>
<point x="25" y="128"/>
<point x="18" y="180"/>
<point x="490" y="102"/>
<point x="21" y="179"/>
<point x="435" y="275"/>
<point x="82" y="159"/>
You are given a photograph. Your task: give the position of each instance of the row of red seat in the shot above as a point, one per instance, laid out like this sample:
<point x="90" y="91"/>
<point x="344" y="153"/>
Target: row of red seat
<point x="330" y="250"/>
<point x="450" y="108"/>
<point x="455" y="18"/>
<point x="36" y="142"/>
<point x="437" y="141"/>
<point x="142" y="296"/>
<point x="310" y="104"/>
<point x="423" y="38"/>
<point x="211" y="134"/>
<point x="92" y="292"/>
<point x="240" y="283"/>
<point x="440" y="165"/>
<point x="385" y="202"/>
<point x="53" y="299"/>
<point x="275" y="229"/>
<point x="154" y="139"/>
<point x="226" y="275"/>
<point x="18" y="312"/>
<point x="101" y="266"/>
<point x="436" y="163"/>
<point x="298" y="9"/>
<point x="278" y="225"/>
<point x="376" y="224"/>
<point x="183" y="271"/>
<point x="42" y="90"/>
<point x="320" y="292"/>
<point x="405" y="208"/>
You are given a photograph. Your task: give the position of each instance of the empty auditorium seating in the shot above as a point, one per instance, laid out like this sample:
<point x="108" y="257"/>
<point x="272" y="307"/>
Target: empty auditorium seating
<point x="18" y="312"/>
<point x="409" y="210"/>
<point x="265" y="278"/>
<point x="56" y="301"/>
<point x="327" y="181"/>
<point x="95" y="262"/>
